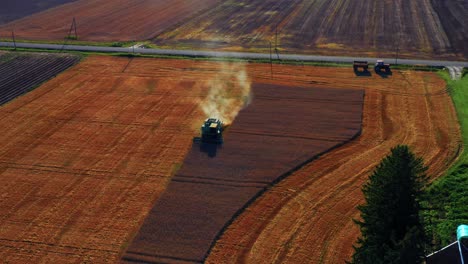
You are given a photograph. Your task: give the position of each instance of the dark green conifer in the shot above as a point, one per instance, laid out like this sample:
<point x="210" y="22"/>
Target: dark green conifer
<point x="391" y="228"/>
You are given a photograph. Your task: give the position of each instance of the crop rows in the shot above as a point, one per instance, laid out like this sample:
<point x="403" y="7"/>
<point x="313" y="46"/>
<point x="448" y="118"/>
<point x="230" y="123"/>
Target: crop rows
<point x="20" y="74"/>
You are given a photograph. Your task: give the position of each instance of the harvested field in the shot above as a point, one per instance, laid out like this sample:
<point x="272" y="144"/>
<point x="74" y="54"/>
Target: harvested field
<point x="283" y="128"/>
<point x="103" y="20"/>
<point x="22" y="72"/>
<point x="371" y="28"/>
<point x="85" y="156"/>
<point x="12" y="10"/>
<point x="307" y="218"/>
<point x="454" y="18"/>
<point x="420" y="28"/>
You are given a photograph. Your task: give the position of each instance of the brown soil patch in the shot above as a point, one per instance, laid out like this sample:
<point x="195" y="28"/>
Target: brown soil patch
<point x="283" y="129"/>
<point x="307" y="218"/>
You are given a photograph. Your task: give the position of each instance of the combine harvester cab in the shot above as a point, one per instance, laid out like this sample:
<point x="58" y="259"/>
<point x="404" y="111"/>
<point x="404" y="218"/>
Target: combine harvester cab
<point x="212" y="131"/>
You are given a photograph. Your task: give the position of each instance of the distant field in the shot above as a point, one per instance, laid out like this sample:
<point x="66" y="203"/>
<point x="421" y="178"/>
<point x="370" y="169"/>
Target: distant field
<point x="419" y="28"/>
<point x="84" y="157"/>
<point x="15" y="9"/>
<point x="104" y="20"/>
<point x="317" y="26"/>
<point x="454" y="18"/>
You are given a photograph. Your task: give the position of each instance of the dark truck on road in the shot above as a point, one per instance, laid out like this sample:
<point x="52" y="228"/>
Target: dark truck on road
<point x="360" y="64"/>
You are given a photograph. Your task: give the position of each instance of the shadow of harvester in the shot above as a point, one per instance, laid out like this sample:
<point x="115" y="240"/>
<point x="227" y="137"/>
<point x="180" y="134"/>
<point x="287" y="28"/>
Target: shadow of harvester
<point x="211" y="149"/>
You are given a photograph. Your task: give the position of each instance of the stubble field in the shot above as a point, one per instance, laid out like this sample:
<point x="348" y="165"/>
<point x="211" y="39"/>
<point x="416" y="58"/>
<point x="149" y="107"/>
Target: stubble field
<point x="83" y="158"/>
<point x="453" y="17"/>
<point x="421" y="28"/>
<point x="371" y="28"/>
<point x="103" y="20"/>
<point x="88" y="153"/>
<point x="308" y="216"/>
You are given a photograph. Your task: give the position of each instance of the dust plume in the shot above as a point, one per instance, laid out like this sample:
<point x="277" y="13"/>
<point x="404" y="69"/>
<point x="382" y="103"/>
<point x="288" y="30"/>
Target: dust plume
<point x="229" y="92"/>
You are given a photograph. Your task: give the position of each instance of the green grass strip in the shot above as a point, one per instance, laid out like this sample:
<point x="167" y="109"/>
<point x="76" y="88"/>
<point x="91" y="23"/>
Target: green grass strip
<point x="448" y="196"/>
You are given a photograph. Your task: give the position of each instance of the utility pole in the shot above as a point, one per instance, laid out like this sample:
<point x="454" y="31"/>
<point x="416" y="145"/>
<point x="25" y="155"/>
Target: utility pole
<point x="74" y="23"/>
<point x="73" y="29"/>
<point x="13" y="37"/>
<point x="271" y="62"/>
<point x="276" y="41"/>
<point x="276" y="37"/>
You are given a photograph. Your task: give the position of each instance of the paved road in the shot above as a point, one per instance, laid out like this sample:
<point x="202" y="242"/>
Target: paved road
<point x="237" y="55"/>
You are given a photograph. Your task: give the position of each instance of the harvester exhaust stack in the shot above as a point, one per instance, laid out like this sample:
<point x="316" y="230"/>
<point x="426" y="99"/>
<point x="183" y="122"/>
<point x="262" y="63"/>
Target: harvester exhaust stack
<point x="212" y="131"/>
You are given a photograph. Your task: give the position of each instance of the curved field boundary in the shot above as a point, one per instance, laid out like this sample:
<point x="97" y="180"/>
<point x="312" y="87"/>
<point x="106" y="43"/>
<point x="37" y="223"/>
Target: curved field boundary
<point x="281" y="131"/>
<point x="20" y="73"/>
<point x="307" y="217"/>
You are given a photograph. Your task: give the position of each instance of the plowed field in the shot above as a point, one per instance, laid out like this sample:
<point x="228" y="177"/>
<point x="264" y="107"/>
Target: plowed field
<point x="84" y="157"/>
<point x="307" y="218"/>
<point x="103" y="20"/>
<point x="20" y="73"/>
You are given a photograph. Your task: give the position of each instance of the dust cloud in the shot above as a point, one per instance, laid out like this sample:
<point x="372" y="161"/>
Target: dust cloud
<point x="229" y="91"/>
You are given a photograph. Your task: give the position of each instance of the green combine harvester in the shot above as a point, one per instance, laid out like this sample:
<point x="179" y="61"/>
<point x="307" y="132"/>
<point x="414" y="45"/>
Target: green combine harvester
<point x="212" y="131"/>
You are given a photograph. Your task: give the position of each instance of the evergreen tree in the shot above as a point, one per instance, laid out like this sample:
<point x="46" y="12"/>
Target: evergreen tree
<point x="391" y="228"/>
